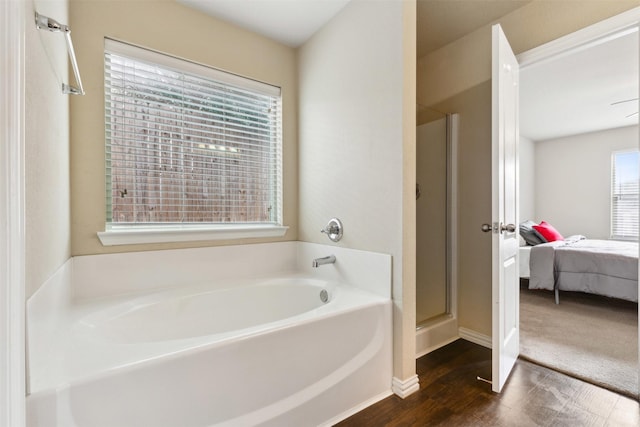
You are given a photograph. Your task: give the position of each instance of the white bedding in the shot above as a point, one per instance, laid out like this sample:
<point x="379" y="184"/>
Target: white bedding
<point x="602" y="267"/>
<point x="525" y="253"/>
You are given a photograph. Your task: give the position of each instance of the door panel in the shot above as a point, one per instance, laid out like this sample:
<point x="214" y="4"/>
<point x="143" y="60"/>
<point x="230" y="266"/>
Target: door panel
<point x="505" y="242"/>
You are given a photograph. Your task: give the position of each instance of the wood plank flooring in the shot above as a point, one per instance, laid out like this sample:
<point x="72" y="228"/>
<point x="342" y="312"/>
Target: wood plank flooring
<point x="450" y="395"/>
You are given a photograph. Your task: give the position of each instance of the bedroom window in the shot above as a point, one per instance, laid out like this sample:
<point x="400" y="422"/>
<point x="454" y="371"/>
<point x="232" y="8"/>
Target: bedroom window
<point x="624" y="195"/>
<point x="189" y="147"/>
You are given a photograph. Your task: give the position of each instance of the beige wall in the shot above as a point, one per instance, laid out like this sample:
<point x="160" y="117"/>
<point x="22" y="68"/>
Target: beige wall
<point x="455" y="79"/>
<point x="474" y="205"/>
<point x="46" y="146"/>
<point x="168" y="27"/>
<point x="353" y="103"/>
<point x="573" y="175"/>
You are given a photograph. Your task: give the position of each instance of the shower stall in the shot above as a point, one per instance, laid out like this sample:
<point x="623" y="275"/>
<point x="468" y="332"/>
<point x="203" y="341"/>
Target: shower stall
<point x="436" y="320"/>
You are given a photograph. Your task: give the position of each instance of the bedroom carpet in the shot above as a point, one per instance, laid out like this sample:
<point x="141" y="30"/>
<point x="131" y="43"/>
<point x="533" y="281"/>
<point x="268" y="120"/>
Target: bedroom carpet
<point x="589" y="337"/>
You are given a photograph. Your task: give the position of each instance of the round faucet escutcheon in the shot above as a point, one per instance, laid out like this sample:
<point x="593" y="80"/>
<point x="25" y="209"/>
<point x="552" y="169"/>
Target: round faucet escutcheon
<point x="334" y="229"/>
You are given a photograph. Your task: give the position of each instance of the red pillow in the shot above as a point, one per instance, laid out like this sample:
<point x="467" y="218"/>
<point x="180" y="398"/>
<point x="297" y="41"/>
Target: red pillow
<point x="548" y="232"/>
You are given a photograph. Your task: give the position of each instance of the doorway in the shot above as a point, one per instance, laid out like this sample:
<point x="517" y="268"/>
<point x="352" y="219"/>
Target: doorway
<point x="560" y="90"/>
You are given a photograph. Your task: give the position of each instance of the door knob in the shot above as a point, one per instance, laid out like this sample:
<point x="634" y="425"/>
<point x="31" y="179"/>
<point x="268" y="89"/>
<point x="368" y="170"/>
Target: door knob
<point x="487" y="228"/>
<point x="511" y="228"/>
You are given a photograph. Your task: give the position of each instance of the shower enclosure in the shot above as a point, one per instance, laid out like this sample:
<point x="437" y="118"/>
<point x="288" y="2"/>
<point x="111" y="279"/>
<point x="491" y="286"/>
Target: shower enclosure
<point x="436" y="323"/>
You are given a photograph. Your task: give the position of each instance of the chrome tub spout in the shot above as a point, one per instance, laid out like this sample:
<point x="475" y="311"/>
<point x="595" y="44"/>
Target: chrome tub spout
<point x="322" y="261"/>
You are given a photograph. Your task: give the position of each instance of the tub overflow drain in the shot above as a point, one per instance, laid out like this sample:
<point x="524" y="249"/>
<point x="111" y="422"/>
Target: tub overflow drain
<point x="324" y="296"/>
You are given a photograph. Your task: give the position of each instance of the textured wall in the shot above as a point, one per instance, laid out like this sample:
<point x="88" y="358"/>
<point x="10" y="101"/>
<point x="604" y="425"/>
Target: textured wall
<point x="46" y="146"/>
<point x="352" y="101"/>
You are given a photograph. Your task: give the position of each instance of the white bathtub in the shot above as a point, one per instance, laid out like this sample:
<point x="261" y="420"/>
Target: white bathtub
<point x="198" y="311"/>
<point x="253" y="352"/>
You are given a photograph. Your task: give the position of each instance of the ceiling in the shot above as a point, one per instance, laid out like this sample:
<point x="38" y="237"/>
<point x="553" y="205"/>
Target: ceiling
<point x="566" y="96"/>
<point x="293" y="22"/>
<point x="441" y="22"/>
<point x="290" y="22"/>
<point x="573" y="94"/>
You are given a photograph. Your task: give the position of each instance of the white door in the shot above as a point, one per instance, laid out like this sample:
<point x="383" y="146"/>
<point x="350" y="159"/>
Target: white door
<point x="504" y="195"/>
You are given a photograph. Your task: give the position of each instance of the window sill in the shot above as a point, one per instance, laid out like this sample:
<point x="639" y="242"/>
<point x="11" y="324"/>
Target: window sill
<point x="130" y="235"/>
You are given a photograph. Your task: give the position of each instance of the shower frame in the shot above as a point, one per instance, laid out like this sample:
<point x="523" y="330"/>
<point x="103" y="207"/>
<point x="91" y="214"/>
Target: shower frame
<point x="442" y="329"/>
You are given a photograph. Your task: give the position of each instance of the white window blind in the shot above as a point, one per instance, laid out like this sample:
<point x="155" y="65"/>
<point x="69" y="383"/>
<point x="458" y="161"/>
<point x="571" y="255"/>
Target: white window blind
<point x="624" y="195"/>
<point x="188" y="144"/>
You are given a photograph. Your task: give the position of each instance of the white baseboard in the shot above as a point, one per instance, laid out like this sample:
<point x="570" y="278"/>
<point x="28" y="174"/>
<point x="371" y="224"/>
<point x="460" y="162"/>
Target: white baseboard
<point x="343" y="416"/>
<point x="441" y="344"/>
<point x="432" y="337"/>
<point x="405" y="388"/>
<point x="475" y="337"/>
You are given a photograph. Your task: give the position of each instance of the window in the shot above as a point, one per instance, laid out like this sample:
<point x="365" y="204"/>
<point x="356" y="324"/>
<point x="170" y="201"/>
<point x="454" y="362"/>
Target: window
<point x="624" y="195"/>
<point x="188" y="147"/>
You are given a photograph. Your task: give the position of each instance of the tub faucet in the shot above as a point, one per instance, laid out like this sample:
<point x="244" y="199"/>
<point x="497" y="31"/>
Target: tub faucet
<point x="322" y="261"/>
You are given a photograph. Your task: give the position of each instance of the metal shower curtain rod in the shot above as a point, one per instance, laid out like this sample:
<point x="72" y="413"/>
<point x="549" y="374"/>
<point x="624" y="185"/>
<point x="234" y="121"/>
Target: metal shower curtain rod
<point x="46" y="23"/>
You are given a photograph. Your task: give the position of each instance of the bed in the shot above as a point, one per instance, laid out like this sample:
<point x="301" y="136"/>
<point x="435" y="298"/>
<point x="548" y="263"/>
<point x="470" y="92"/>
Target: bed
<point x="601" y="267"/>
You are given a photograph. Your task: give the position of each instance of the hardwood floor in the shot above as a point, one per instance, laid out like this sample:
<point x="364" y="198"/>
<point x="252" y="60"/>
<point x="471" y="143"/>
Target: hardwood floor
<point x="450" y="395"/>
